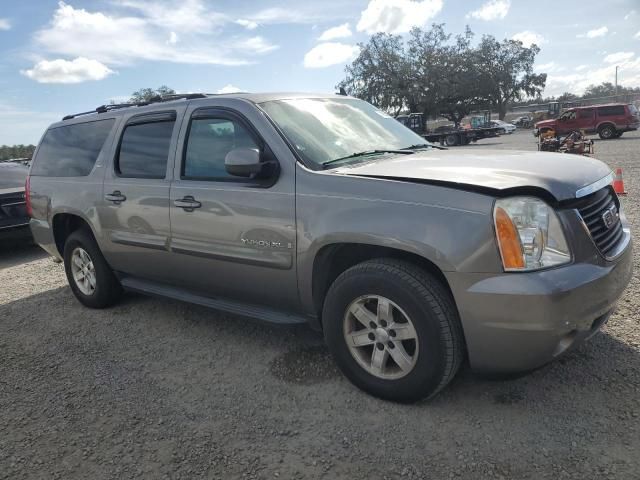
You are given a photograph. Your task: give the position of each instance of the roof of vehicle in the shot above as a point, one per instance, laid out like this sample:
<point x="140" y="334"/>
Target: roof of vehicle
<point x="178" y="99"/>
<point x="599" y="105"/>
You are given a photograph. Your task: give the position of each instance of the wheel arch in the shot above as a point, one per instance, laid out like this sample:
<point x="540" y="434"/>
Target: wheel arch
<point x="333" y="259"/>
<point x="606" y="123"/>
<point x="64" y="224"/>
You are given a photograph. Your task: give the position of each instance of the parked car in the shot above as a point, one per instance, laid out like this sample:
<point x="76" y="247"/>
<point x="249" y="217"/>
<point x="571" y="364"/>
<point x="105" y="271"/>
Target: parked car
<point x="322" y="209"/>
<point x="505" y="128"/>
<point x="523" y="121"/>
<point x="14" y="221"/>
<point x="608" y="121"/>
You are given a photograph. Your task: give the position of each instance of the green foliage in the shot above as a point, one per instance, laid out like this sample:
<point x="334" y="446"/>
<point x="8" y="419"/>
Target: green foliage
<point x="437" y="74"/>
<point x="8" y="152"/>
<point x="148" y="94"/>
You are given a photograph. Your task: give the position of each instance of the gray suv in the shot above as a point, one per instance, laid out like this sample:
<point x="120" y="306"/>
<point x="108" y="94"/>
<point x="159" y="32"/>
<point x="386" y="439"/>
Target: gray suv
<point x="411" y="259"/>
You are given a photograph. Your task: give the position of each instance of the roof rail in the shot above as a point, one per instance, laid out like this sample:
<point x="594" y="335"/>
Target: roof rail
<point x="156" y="99"/>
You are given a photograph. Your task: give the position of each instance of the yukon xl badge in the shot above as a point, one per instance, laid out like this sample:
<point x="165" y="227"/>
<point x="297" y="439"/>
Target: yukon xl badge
<point x="264" y="243"/>
<point x="610" y="217"/>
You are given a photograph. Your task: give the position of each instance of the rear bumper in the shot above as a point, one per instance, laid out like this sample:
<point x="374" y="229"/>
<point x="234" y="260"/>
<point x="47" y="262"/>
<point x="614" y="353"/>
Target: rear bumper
<point x="518" y="322"/>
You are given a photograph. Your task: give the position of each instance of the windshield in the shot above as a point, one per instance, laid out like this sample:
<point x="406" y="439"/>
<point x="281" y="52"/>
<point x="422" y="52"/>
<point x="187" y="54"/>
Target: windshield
<point x="323" y="130"/>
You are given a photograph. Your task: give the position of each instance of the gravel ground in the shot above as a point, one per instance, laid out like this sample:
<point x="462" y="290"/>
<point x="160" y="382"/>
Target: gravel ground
<point x="159" y="389"/>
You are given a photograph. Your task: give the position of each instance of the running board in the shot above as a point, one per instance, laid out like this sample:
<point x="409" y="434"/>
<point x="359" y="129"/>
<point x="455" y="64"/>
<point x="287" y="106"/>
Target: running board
<point x="265" y="314"/>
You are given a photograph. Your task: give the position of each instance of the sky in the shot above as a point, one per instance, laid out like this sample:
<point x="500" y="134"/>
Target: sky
<point x="60" y="57"/>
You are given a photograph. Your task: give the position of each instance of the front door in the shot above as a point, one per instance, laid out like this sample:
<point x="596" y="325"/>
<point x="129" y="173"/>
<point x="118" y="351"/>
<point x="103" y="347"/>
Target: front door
<point x="135" y="210"/>
<point x="586" y="119"/>
<point x="567" y="122"/>
<point x="232" y="237"/>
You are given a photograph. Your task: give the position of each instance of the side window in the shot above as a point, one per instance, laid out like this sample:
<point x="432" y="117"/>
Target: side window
<point x="586" y="113"/>
<point x="209" y="140"/>
<point x="611" y="111"/>
<point x="72" y="150"/>
<point x="144" y="150"/>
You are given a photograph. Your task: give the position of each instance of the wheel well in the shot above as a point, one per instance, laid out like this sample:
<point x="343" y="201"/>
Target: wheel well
<point x="64" y="224"/>
<point x="334" y="259"/>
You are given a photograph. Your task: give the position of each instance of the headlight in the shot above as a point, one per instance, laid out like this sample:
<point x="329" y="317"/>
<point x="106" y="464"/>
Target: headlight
<point x="529" y="234"/>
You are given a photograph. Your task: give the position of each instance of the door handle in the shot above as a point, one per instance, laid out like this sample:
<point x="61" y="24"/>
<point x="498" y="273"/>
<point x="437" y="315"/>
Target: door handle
<point x="188" y="203"/>
<point x="116" y="197"/>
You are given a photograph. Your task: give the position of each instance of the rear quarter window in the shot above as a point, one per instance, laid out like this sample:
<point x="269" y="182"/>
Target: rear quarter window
<point x="611" y="111"/>
<point x="71" y="150"/>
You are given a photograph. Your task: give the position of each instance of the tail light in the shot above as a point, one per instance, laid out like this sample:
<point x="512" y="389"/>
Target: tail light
<point x="27" y="196"/>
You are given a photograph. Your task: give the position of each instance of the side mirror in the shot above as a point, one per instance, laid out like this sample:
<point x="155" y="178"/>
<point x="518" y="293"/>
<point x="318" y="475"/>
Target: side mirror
<point x="243" y="162"/>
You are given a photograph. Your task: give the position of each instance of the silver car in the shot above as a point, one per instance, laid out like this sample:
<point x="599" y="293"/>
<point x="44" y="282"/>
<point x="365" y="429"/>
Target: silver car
<point x="410" y="258"/>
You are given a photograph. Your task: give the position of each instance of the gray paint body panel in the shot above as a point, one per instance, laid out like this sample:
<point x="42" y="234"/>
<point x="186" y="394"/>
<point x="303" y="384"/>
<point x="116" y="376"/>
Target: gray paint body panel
<point x="511" y="321"/>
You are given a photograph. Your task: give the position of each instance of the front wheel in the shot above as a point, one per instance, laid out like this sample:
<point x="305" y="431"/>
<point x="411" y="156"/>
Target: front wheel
<point x="393" y="330"/>
<point x="451" y="140"/>
<point x="91" y="279"/>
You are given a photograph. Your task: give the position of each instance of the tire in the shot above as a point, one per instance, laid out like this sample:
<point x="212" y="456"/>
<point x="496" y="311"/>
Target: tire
<point x="451" y="140"/>
<point x="105" y="289"/>
<point x="433" y="356"/>
<point x="607" y="132"/>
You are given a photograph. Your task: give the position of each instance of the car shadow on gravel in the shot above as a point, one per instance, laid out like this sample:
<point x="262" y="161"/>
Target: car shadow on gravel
<point x="297" y="357"/>
<point x="13" y="253"/>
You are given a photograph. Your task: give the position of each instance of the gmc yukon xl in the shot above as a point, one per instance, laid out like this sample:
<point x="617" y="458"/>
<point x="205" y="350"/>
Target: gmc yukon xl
<point x="411" y="259"/>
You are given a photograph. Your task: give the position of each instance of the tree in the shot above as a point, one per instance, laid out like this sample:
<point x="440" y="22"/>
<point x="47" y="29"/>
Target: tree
<point x="505" y="72"/>
<point x="8" y="152"/>
<point x="148" y="94"/>
<point x="379" y="74"/>
<point x="567" y="97"/>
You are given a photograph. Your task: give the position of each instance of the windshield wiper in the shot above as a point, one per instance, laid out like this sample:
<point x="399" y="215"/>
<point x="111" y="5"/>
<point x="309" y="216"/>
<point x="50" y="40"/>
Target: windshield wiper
<point x="364" y="153"/>
<point x="418" y="146"/>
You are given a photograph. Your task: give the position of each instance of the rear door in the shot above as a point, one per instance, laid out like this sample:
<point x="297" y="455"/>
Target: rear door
<point x="135" y="208"/>
<point x="233" y="237"/>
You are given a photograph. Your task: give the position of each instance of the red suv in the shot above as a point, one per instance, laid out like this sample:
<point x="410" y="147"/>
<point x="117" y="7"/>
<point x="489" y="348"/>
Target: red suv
<point x="609" y="121"/>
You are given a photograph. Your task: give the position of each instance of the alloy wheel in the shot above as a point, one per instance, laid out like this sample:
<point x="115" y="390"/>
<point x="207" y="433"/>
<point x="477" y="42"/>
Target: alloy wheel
<point x="83" y="271"/>
<point x="381" y="337"/>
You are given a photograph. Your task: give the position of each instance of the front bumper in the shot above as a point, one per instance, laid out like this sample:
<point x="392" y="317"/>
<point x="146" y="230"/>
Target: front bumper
<point x="520" y="321"/>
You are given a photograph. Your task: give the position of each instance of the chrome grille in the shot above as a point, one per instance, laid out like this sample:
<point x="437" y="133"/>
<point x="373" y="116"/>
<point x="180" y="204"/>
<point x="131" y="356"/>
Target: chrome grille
<point x="599" y="211"/>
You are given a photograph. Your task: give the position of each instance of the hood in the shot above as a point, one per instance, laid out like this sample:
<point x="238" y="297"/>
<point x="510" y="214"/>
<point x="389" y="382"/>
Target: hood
<point x="12" y="175"/>
<point x="546" y="123"/>
<point x="560" y="174"/>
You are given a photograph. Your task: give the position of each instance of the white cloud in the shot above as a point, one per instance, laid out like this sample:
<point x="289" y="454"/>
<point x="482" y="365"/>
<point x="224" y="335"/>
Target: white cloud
<point x="491" y="10"/>
<point x="341" y="31"/>
<point x="229" y="89"/>
<point x="116" y="38"/>
<point x="67" y="71"/>
<point x="5" y="24"/>
<point x="548" y="67"/>
<point x="637" y="35"/>
<point x="528" y="38"/>
<point x="330" y="53"/>
<point x="280" y="15"/>
<point x="173" y="38"/>
<point x="619" y="57"/>
<point x="580" y="68"/>
<point x="630" y="14"/>
<point x="595" y="33"/>
<point x="397" y="16"/>
<point x="628" y="75"/>
<point x="248" y="24"/>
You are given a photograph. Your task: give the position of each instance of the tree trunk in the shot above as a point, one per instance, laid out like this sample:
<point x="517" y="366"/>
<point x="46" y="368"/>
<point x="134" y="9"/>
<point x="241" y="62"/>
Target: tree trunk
<point x="502" y="110"/>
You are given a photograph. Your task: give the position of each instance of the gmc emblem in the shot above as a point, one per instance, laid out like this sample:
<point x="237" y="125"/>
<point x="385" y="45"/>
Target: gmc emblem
<point x="610" y="217"/>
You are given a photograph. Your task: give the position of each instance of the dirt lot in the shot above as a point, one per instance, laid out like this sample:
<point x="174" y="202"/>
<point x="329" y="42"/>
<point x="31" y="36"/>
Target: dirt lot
<point x="158" y="389"/>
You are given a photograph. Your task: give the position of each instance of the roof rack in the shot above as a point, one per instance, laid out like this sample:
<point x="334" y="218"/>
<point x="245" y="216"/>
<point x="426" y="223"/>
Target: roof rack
<point x="156" y="99"/>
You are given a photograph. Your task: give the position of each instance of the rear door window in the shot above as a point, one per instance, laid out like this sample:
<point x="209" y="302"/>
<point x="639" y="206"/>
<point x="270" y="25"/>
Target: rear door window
<point x="71" y="150"/>
<point x="144" y="147"/>
<point x="610" y="111"/>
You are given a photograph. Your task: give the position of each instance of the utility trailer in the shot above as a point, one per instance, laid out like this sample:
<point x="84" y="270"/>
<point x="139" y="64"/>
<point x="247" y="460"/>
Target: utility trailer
<point x="449" y="136"/>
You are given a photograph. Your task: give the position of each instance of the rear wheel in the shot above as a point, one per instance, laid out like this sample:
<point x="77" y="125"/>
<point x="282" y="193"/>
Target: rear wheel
<point x="91" y="279"/>
<point x="607" y="132"/>
<point x="451" y="140"/>
<point x="393" y="330"/>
